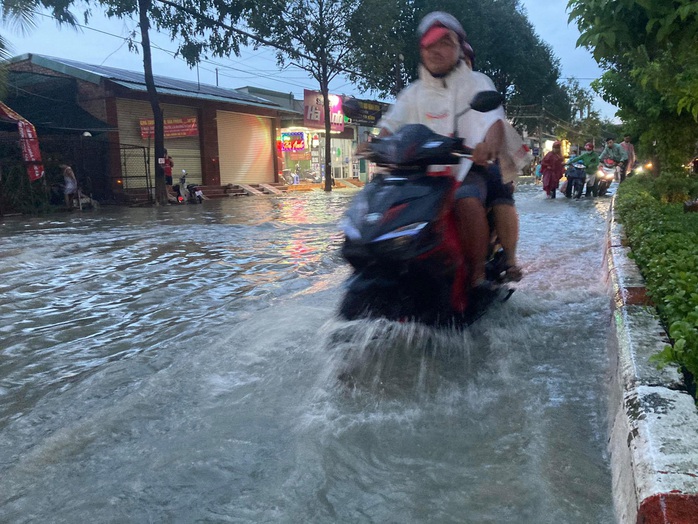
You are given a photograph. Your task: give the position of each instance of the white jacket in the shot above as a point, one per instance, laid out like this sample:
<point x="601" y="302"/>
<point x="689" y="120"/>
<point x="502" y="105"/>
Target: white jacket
<point x="443" y="104"/>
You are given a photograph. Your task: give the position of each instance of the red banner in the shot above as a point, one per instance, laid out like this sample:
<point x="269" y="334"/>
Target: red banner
<point x="30" y="150"/>
<point x="28" y="140"/>
<point x="174" y="127"/>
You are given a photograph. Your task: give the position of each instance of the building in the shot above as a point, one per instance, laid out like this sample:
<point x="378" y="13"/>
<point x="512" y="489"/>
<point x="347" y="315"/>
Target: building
<point x="219" y="136"/>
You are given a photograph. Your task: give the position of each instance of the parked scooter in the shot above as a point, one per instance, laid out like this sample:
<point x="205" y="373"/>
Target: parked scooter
<point x="401" y="234"/>
<point x="576" y="177"/>
<point x="606" y="174"/>
<point x="188" y="193"/>
<point x="311" y="176"/>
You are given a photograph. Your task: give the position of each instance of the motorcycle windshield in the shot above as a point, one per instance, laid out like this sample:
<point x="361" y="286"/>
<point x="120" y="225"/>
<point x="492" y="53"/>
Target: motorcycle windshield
<point x="415" y="145"/>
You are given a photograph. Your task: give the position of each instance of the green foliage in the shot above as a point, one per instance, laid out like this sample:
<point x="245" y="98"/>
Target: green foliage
<point x="664" y="242"/>
<point x="648" y="49"/>
<point x="522" y="66"/>
<point x="18" y="195"/>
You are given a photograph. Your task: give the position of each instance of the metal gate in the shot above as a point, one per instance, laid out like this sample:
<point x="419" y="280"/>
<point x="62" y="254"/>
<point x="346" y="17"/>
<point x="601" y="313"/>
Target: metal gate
<point x="135" y="173"/>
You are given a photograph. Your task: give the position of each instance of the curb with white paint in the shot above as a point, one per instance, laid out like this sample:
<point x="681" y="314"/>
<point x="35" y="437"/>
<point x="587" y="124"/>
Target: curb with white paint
<point x="653" y="419"/>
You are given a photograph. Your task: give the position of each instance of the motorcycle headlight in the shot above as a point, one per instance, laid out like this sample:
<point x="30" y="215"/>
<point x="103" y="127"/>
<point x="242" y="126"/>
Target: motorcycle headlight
<point x="399" y="239"/>
<point x="404" y="231"/>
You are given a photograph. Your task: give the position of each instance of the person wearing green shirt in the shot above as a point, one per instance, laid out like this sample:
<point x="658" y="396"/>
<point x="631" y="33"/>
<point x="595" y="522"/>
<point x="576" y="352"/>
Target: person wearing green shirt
<point x="616" y="153"/>
<point x="590" y="159"/>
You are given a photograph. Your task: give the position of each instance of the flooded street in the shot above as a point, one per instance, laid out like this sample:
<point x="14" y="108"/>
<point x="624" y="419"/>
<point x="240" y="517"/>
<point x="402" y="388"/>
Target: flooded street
<point x="180" y="364"/>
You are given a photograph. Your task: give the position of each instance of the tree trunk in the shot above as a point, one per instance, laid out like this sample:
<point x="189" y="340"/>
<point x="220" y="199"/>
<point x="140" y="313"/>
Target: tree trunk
<point x="324" y="89"/>
<point x="159" y="126"/>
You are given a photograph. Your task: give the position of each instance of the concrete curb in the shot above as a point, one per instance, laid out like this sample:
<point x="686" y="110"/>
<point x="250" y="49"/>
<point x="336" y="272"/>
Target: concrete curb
<point x="653" y="420"/>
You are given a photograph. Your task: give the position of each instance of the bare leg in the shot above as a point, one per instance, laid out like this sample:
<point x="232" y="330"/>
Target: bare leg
<point x="474" y="235"/>
<point x="506" y="222"/>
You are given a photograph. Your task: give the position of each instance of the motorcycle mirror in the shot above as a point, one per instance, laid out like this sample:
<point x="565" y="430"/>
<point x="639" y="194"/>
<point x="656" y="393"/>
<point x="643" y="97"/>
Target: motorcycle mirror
<point x="486" y="101"/>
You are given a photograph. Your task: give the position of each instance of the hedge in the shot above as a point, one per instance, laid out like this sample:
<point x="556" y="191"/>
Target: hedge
<point x="664" y="243"/>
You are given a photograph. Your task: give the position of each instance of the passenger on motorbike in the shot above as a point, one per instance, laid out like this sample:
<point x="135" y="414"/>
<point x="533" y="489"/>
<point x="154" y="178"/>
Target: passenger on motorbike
<point x="440" y="99"/>
<point x="616" y="153"/>
<point x="590" y="159"/>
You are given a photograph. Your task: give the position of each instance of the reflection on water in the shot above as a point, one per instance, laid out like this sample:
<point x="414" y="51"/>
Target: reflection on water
<point x="183" y="364"/>
<point x="81" y="289"/>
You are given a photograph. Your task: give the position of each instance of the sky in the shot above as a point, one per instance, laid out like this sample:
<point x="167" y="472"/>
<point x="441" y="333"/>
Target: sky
<point x="103" y="43"/>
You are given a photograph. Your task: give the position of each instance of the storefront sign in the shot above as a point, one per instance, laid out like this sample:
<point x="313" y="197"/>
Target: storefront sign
<point x="314" y="111"/>
<point x="366" y="112"/>
<point x="174" y="127"/>
<point x="293" y="141"/>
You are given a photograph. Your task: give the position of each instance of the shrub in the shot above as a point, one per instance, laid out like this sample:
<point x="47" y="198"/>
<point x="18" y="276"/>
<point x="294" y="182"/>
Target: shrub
<point x="19" y="195"/>
<point x="664" y="243"/>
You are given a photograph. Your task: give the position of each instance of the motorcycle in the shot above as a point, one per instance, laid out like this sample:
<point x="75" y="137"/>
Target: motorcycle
<point x="608" y="170"/>
<point x="576" y="177"/>
<point x="401" y="235"/>
<point x="187" y="193"/>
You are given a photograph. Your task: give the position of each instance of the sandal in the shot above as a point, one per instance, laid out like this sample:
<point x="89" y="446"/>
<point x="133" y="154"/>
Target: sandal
<point x="513" y="274"/>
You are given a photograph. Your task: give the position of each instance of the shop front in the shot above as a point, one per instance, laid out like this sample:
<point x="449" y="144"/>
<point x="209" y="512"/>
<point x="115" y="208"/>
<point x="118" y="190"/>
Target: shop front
<point x="301" y="144"/>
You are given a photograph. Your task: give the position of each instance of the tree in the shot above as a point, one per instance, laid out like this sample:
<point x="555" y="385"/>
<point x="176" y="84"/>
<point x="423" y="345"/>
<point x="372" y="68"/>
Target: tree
<point x="524" y="69"/>
<point x="144" y="11"/>
<point x="648" y="49"/>
<point x="311" y="35"/>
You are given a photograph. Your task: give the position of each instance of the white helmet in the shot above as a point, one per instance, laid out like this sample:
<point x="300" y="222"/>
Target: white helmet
<point x="441" y="18"/>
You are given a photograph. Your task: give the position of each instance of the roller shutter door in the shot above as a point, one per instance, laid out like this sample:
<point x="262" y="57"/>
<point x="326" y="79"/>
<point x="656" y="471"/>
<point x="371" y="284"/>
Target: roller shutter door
<point x="185" y="151"/>
<point x="245" y="148"/>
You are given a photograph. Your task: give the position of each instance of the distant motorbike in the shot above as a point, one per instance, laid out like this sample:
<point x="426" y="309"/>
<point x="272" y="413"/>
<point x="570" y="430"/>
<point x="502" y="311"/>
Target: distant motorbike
<point x="607" y="173"/>
<point x="187" y="193"/>
<point x="576" y="177"/>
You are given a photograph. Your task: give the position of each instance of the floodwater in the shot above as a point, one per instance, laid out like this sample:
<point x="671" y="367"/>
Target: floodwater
<point x="180" y="364"/>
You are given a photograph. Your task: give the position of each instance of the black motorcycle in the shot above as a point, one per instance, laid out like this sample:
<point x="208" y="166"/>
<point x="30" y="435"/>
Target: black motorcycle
<point x="576" y="177"/>
<point x="401" y="234"/>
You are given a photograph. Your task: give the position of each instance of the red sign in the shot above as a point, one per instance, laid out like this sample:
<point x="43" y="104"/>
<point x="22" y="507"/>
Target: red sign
<point x="174" y="127"/>
<point x="314" y="111"/>
<point x="29" y="141"/>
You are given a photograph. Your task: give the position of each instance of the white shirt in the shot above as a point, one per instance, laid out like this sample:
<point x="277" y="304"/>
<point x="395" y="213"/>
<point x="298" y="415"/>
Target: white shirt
<point x="443" y="105"/>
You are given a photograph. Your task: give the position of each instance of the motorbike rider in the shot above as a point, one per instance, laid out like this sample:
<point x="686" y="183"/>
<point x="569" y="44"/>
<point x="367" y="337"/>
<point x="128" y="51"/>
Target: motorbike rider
<point x="616" y="153"/>
<point x="440" y="100"/>
<point x="590" y="159"/>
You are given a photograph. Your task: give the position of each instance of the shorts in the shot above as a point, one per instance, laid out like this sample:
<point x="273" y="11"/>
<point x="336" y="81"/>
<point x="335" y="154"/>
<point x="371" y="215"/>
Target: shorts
<point x="70" y="187"/>
<point x="487" y="186"/>
<point x="168" y="180"/>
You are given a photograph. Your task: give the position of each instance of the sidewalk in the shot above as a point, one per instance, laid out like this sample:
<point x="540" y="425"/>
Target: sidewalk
<point x="653" y="420"/>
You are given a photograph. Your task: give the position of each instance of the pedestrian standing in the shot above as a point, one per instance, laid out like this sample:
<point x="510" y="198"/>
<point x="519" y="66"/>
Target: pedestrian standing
<point x="167" y="168"/>
<point x="630" y="150"/>
<point x="70" y="185"/>
<point x="552" y="168"/>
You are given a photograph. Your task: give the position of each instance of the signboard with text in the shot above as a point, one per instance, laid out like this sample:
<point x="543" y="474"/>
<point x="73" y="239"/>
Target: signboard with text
<point x="293" y="141"/>
<point x="314" y="111"/>
<point x="366" y="112"/>
<point x="174" y="127"/>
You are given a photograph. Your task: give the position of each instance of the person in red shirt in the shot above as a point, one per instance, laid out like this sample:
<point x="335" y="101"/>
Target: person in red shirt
<point x="169" y="164"/>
